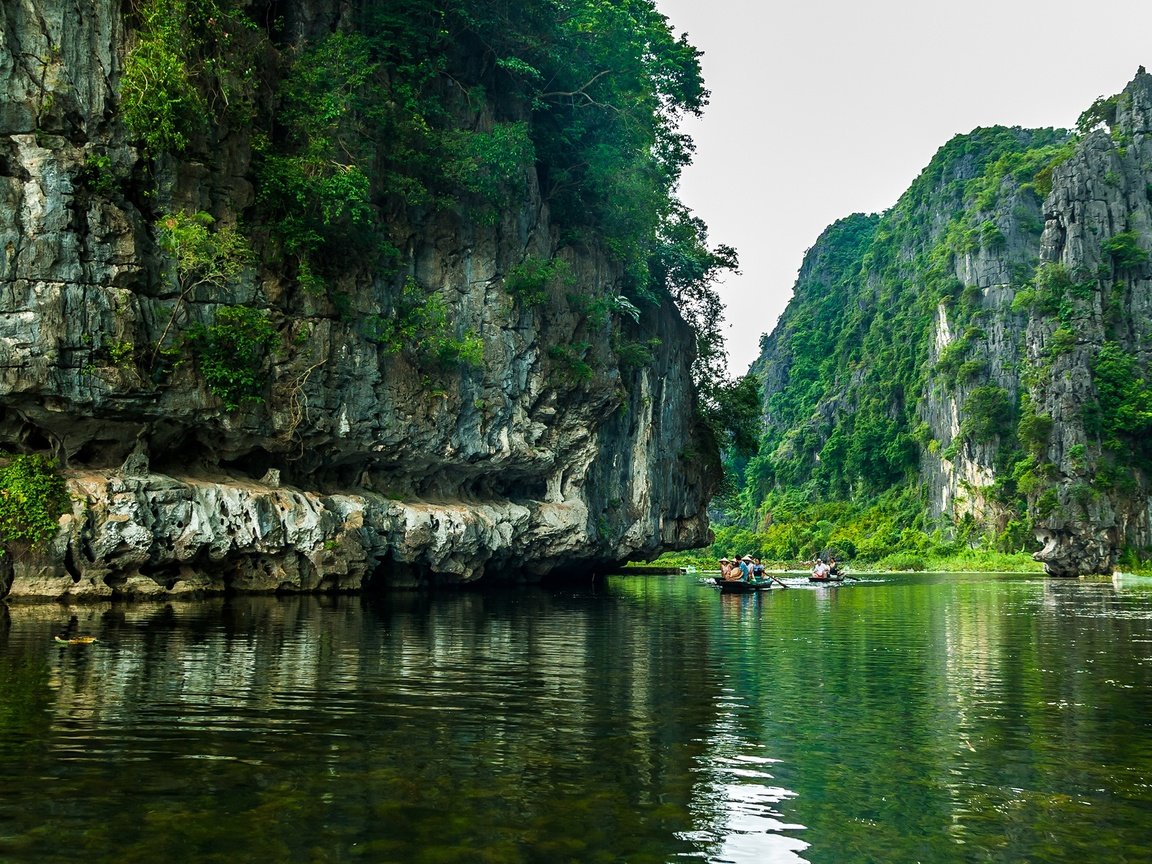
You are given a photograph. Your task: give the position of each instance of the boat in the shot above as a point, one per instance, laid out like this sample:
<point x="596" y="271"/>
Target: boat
<point x="735" y="586"/>
<point x="824" y="580"/>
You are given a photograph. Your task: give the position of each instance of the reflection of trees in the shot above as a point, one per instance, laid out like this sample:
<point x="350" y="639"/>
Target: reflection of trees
<point x="913" y="717"/>
<point x="893" y="722"/>
<point x="504" y="727"/>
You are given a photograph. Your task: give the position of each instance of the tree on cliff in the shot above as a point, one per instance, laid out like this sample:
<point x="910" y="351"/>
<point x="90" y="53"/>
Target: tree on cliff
<point x="414" y="105"/>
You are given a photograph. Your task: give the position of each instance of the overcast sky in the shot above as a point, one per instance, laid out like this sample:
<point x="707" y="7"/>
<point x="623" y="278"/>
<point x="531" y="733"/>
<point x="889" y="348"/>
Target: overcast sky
<point x="825" y="108"/>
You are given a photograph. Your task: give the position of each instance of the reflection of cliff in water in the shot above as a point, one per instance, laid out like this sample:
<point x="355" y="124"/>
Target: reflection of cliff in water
<point x="541" y="718"/>
<point x="920" y="717"/>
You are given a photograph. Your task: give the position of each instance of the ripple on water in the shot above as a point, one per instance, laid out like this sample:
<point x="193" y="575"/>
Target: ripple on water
<point x="919" y="719"/>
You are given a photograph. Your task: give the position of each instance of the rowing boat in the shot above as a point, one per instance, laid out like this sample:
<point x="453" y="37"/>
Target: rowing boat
<point x="735" y="586"/>
<point x="833" y="578"/>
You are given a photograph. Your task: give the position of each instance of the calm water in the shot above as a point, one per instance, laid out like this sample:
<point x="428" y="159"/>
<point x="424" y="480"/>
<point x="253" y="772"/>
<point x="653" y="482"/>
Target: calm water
<point x="917" y="718"/>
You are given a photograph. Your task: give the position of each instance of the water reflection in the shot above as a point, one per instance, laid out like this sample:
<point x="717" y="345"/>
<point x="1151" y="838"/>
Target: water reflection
<point x="917" y="718"/>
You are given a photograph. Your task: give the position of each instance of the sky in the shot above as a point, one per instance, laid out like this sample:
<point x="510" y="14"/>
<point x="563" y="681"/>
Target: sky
<point x="825" y="108"/>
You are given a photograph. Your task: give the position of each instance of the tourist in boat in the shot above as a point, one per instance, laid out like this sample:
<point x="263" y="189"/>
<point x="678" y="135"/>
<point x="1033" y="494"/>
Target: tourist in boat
<point x="757" y="570"/>
<point x="746" y="568"/>
<point x="820" y="571"/>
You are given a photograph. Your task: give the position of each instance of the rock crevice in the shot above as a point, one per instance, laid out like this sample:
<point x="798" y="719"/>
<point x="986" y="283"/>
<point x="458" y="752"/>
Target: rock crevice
<point x="358" y="463"/>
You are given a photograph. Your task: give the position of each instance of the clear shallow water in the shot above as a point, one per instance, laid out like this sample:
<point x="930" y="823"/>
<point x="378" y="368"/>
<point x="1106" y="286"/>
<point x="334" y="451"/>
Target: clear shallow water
<point x="916" y="718"/>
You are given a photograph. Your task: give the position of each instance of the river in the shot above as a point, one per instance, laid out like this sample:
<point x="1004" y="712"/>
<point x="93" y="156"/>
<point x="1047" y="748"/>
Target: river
<point x="918" y="718"/>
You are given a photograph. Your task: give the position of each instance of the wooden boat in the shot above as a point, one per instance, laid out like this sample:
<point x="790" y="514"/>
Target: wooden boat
<point x="735" y="586"/>
<point x="831" y="577"/>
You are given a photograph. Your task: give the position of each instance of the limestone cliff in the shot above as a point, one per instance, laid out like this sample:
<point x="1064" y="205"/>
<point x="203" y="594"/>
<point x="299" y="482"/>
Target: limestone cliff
<point x="359" y="461"/>
<point x="990" y="342"/>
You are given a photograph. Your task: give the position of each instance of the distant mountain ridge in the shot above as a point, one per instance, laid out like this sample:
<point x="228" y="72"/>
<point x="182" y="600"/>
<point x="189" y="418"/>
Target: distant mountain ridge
<point x="982" y="347"/>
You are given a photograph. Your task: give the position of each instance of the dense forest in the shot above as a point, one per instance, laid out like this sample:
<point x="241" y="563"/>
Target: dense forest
<point x="916" y="393"/>
<point x="412" y="106"/>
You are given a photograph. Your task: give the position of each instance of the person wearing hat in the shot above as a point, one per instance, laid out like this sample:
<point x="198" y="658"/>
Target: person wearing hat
<point x="746" y="568"/>
<point x="725" y="568"/>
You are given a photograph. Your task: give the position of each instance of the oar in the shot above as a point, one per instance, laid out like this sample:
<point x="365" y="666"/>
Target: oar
<point x="773" y="577"/>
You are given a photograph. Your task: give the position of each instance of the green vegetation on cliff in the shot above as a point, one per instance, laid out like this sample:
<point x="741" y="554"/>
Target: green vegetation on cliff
<point x="399" y="113"/>
<point x="32" y="499"/>
<point x="849" y="371"/>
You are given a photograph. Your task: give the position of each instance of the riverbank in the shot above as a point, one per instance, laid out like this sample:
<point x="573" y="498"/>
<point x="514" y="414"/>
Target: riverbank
<point x="974" y="561"/>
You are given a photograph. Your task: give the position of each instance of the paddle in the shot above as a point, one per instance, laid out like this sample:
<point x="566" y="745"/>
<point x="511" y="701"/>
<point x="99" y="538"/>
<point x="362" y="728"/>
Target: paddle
<point x="846" y="575"/>
<point x="773" y="577"/>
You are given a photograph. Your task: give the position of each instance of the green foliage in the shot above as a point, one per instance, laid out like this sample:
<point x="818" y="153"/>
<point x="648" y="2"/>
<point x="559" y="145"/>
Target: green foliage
<point x="991" y="237"/>
<point x="312" y="185"/>
<point x="902" y="562"/>
<point x="636" y="355"/>
<point x="1083" y="494"/>
<point x="1077" y="456"/>
<point x="1102" y="112"/>
<point x="419" y="326"/>
<point x="488" y="164"/>
<point x="738" y="414"/>
<point x="189" y="60"/>
<point x="160" y="101"/>
<point x="1125" y="250"/>
<point x="121" y="352"/>
<point x="613" y="82"/>
<point x="393" y="118"/>
<point x="99" y="175"/>
<point x="1043" y="179"/>
<point x="530" y="280"/>
<point x="1123" y="416"/>
<point x="1024" y="299"/>
<point x="1017" y="168"/>
<point x="987" y="414"/>
<point x="886" y="532"/>
<point x="230" y="353"/>
<point x="570" y="362"/>
<point x="833" y="333"/>
<point x="201" y="255"/>
<point x="1062" y="341"/>
<point x="33" y="496"/>
<point x="846" y="422"/>
<point x="1034" y="430"/>
<point x="466" y="350"/>
<point x="972" y="370"/>
<point x="687" y="268"/>
<point x="1055" y="293"/>
<point x="952" y="356"/>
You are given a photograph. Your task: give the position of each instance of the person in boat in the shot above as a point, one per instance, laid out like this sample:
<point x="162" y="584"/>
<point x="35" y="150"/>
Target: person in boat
<point x="746" y="568"/>
<point x="833" y="567"/>
<point x="757" y="570"/>
<point x="820" y="571"/>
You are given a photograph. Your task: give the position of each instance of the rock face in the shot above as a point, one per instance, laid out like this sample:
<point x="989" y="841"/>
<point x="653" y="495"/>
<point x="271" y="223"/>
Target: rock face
<point x="1098" y="230"/>
<point x="358" y="465"/>
<point x="1007" y="306"/>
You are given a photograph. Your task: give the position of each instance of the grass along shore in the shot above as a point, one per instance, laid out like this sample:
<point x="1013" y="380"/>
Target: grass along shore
<point x="972" y="561"/>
